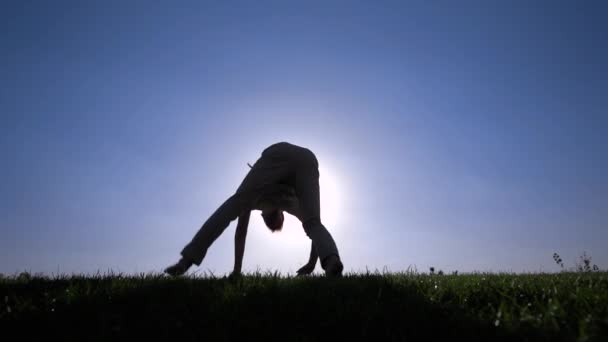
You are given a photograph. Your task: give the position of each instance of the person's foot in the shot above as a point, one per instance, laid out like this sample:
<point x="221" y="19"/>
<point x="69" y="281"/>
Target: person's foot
<point x="179" y="268"/>
<point x="333" y="266"/>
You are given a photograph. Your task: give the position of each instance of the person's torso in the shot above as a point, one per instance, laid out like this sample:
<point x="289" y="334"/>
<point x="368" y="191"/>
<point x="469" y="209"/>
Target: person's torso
<point x="277" y="196"/>
<point x="284" y="154"/>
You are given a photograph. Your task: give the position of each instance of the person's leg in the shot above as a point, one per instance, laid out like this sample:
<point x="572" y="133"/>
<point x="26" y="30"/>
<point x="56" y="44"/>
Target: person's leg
<point x="265" y="171"/>
<point x="196" y="250"/>
<point x="307" y="190"/>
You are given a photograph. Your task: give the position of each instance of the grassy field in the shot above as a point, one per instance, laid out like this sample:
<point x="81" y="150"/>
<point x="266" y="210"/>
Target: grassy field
<point x="564" y="306"/>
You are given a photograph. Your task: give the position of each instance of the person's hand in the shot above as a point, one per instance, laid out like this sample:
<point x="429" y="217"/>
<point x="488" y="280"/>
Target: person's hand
<point x="306" y="269"/>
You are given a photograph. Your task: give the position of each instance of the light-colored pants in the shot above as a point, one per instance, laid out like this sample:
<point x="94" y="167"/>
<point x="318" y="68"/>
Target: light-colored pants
<point x="280" y="163"/>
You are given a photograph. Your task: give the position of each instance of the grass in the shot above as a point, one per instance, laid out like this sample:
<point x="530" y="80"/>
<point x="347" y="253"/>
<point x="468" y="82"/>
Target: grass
<point x="533" y="307"/>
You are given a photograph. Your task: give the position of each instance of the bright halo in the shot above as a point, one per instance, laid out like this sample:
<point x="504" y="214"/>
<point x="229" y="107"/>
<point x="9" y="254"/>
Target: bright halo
<point x="331" y="203"/>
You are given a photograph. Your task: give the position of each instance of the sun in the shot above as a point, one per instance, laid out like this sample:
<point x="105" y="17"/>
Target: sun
<point x="331" y="197"/>
<point x="293" y="239"/>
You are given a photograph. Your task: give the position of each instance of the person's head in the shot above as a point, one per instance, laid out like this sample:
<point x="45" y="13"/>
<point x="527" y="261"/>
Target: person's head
<point x="274" y="219"/>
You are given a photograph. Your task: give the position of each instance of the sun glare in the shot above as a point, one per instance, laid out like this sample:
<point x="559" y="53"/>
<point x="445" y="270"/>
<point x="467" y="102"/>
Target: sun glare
<point x="331" y="198"/>
<point x="331" y="204"/>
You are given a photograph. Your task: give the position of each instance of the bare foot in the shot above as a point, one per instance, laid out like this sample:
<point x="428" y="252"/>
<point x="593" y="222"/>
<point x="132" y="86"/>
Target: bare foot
<point x="333" y="266"/>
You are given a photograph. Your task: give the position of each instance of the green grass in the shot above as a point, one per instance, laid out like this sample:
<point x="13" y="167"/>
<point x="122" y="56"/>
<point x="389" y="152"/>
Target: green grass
<point x="564" y="306"/>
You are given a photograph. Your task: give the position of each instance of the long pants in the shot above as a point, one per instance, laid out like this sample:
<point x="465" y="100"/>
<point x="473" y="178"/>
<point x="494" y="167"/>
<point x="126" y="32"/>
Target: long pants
<point x="281" y="163"/>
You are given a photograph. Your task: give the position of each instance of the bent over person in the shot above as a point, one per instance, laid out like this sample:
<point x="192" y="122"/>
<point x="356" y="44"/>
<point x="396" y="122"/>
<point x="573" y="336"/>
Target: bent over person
<point x="284" y="178"/>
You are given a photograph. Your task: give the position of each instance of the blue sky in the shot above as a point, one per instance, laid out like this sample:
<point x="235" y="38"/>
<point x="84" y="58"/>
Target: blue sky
<point x="467" y="136"/>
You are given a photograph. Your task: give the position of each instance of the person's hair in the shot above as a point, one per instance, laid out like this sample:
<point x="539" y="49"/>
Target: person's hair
<point x="272" y="218"/>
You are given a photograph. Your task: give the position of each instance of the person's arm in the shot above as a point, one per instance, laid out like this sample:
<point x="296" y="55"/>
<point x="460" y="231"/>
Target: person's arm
<point x="239" y="241"/>
<point x="312" y="261"/>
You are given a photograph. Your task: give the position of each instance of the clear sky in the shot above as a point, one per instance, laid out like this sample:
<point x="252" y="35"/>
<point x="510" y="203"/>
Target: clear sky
<point x="467" y="136"/>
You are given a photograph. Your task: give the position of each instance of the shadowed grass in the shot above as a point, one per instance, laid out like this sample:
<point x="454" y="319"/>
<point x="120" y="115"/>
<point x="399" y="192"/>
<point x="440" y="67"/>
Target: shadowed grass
<point x="564" y="306"/>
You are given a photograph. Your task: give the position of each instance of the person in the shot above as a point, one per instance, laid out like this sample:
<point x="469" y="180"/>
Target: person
<point x="284" y="179"/>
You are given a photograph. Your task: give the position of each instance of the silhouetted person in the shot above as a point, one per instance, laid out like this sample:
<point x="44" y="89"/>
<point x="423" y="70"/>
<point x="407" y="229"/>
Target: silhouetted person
<point x="284" y="178"/>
